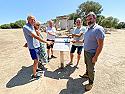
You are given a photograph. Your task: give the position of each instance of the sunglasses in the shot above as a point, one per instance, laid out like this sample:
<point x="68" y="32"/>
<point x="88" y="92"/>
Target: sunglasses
<point x="37" y="25"/>
<point x="89" y="19"/>
<point x="78" y="22"/>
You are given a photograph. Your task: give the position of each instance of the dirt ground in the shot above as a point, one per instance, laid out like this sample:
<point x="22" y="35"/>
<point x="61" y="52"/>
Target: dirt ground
<point x="16" y="68"/>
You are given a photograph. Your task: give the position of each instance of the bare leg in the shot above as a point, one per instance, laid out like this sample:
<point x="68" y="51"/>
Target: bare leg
<point x="51" y="51"/>
<point x="78" y="58"/>
<point x="71" y="57"/>
<point x="35" y="65"/>
<point x="52" y="56"/>
<point x="48" y="51"/>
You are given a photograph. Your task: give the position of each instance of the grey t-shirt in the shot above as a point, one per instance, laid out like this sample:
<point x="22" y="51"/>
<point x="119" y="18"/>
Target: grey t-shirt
<point x="91" y="36"/>
<point x="77" y="31"/>
<point x="31" y="42"/>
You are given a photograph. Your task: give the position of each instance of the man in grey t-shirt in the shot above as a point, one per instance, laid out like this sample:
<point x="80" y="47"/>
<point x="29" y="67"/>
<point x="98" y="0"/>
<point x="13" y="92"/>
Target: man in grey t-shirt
<point x="77" y="42"/>
<point x="93" y="44"/>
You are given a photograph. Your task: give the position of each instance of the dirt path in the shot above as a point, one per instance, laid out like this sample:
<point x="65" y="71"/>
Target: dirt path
<point x="16" y="68"/>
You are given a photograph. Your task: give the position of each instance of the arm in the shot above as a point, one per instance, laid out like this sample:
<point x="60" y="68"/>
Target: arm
<point x="29" y="31"/>
<point x="51" y="33"/>
<point x="79" y="41"/>
<point x="37" y="32"/>
<point x="98" y="50"/>
<point x="38" y="38"/>
<point x="75" y="35"/>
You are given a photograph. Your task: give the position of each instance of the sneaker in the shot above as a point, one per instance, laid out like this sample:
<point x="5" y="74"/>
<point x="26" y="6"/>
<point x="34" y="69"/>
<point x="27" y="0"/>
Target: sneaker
<point x="84" y="76"/>
<point x="76" y="67"/>
<point x="70" y="63"/>
<point x="52" y="56"/>
<point x="35" y="77"/>
<point x="88" y="87"/>
<point x="38" y="70"/>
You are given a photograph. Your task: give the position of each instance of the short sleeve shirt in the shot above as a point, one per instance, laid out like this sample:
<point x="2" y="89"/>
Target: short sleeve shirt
<point x="78" y="31"/>
<point x="31" y="42"/>
<point x="91" y="36"/>
<point x="49" y="29"/>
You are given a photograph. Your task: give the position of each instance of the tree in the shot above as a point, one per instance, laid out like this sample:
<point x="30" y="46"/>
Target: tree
<point x="100" y="18"/>
<point x="110" y="22"/>
<point x="20" y="23"/>
<point x="115" y="22"/>
<point x="17" y="24"/>
<point x="13" y="25"/>
<point x="107" y="22"/>
<point x="89" y="6"/>
<point x="5" y="26"/>
<point x="121" y="25"/>
<point x="73" y="16"/>
<point x="54" y="20"/>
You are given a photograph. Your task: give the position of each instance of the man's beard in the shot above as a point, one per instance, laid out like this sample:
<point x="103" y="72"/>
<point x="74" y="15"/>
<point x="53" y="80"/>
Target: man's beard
<point x="90" y="23"/>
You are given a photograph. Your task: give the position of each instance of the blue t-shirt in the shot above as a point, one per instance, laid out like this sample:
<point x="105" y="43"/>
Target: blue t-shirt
<point x="91" y="36"/>
<point x="31" y="42"/>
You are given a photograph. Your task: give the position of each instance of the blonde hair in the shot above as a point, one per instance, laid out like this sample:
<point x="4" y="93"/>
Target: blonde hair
<point x="38" y="23"/>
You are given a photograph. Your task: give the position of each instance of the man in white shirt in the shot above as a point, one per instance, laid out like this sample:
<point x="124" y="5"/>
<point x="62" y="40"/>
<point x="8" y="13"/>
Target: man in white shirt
<point x="51" y="33"/>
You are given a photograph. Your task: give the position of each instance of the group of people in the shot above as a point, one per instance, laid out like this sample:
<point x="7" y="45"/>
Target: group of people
<point x="91" y="36"/>
<point x="36" y="43"/>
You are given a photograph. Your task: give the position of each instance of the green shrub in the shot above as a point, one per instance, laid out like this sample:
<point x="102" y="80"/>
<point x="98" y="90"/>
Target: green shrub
<point x="20" y="23"/>
<point x="5" y="26"/>
<point x="17" y="24"/>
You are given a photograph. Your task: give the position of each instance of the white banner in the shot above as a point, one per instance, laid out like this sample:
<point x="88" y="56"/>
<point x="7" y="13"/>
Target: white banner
<point x="62" y="44"/>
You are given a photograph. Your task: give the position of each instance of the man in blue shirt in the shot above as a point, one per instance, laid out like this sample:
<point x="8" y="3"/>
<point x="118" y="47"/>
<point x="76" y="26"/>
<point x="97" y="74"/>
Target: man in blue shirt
<point x="93" y="44"/>
<point x="32" y="42"/>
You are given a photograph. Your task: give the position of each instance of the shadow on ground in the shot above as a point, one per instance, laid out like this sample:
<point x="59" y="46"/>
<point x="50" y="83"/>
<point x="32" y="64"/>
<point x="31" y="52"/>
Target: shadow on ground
<point x="60" y="73"/>
<point x="23" y="77"/>
<point x="74" y="86"/>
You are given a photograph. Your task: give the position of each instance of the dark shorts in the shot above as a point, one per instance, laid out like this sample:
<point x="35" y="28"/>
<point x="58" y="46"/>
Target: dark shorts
<point x="79" y="49"/>
<point x="50" y="46"/>
<point x="34" y="53"/>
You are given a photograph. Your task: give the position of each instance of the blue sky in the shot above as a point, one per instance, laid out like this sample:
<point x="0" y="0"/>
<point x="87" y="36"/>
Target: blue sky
<point x="43" y="10"/>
